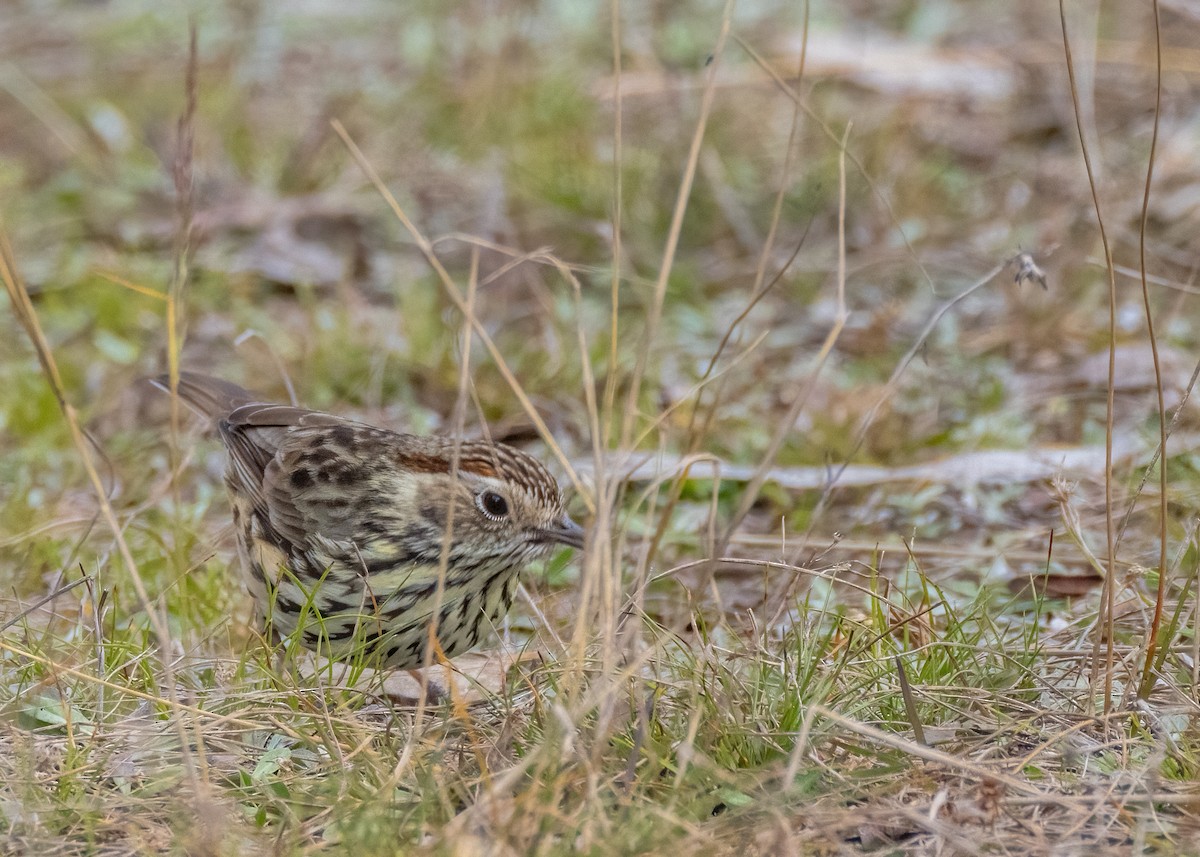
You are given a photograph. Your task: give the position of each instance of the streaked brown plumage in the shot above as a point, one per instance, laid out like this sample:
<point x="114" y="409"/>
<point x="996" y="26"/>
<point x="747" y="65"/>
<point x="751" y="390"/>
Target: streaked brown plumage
<point x="342" y="526"/>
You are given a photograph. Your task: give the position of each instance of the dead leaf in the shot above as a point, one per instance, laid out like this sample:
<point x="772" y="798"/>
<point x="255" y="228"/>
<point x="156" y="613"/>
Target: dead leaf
<point x="1056" y="585"/>
<point x="468" y="679"/>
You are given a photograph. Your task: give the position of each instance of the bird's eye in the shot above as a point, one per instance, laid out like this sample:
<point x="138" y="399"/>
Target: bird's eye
<point x="492" y="504"/>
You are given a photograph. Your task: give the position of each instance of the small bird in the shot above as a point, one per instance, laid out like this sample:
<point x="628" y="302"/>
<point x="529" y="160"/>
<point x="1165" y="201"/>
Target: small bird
<point x="360" y="538"/>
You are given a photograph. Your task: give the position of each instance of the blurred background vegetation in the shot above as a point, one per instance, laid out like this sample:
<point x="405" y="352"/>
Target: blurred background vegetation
<point x="493" y="125"/>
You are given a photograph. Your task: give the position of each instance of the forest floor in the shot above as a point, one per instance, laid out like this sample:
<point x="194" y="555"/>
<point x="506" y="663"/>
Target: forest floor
<point x="834" y="323"/>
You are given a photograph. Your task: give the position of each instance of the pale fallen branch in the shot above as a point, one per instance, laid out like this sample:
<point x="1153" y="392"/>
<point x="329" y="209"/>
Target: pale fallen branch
<point x="986" y="467"/>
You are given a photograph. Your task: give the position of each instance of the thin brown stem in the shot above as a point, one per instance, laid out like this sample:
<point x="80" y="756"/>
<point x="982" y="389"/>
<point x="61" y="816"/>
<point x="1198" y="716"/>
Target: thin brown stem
<point x="1147" y="682"/>
<point x="1104" y="627"/>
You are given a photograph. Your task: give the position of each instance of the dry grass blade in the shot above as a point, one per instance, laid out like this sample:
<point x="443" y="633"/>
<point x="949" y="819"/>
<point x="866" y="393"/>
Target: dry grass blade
<point x="930" y="754"/>
<point x="27" y="315"/>
<point x="1160" y="596"/>
<point x="910" y="704"/>
<point x="784" y="427"/>
<point x="455" y="294"/>
<point x="1104" y="629"/>
<point x="41" y="602"/>
<point x="653" y="318"/>
<point x="834" y="137"/>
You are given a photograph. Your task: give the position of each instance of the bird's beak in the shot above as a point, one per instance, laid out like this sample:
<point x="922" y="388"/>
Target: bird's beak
<point x="564" y="531"/>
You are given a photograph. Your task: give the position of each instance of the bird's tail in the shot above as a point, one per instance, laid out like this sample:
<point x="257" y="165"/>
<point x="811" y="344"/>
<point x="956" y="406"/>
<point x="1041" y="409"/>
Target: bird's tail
<point x="208" y="396"/>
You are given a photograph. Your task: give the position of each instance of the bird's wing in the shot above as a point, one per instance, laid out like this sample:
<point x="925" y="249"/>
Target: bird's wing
<point x="323" y="483"/>
<point x="304" y="472"/>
